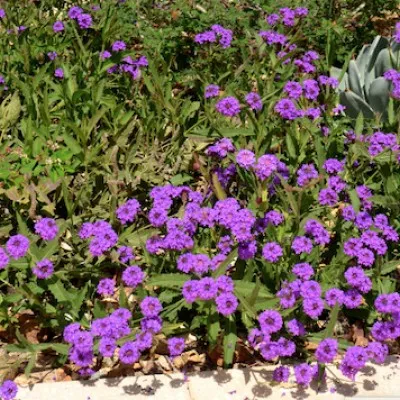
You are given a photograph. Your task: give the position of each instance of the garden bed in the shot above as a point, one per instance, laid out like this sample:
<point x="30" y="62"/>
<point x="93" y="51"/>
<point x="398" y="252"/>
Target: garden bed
<point x="189" y="187"/>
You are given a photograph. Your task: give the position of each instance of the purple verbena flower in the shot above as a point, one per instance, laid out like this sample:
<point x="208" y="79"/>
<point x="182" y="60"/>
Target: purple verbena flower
<point x="303" y="374"/>
<point x="302" y="244"/>
<point x="17" y="246"/>
<point x="106" y="287"/>
<point x="227" y="303"/>
<point x="59" y="73"/>
<point x="4" y="259"/>
<point x="129" y="353"/>
<point x="84" y="21"/>
<point x="8" y="389"/>
<point x="150" y="307"/>
<point x="58" y="26"/>
<point x="211" y="91"/>
<point x="254" y="101"/>
<point x="270" y="321"/>
<point x="46" y="228"/>
<point x="133" y="276"/>
<point x="326" y="350"/>
<point x="176" y="346"/>
<point x="128" y="211"/>
<point x="118" y="45"/>
<point x="228" y="106"/>
<point x="272" y="251"/>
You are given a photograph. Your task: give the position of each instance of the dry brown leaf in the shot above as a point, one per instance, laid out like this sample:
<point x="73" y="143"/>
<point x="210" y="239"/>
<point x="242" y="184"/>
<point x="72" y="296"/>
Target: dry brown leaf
<point x="147" y="366"/>
<point x="357" y="334"/>
<point x="163" y="363"/>
<point x="30" y="328"/>
<point x="311" y="346"/>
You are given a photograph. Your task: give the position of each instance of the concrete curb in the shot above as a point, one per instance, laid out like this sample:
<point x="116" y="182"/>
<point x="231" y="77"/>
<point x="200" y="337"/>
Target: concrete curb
<point x="374" y="382"/>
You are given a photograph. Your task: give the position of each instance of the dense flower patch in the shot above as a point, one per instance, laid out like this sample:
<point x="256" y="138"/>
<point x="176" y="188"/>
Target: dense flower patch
<point x="283" y="228"/>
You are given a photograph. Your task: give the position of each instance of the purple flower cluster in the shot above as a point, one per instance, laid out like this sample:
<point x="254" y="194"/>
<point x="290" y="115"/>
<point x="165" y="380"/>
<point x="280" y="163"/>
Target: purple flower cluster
<point x="317" y="232"/>
<point x="17" y="246"/>
<point x="8" y="389"/>
<point x="253" y="99"/>
<point x="58" y="26"/>
<point x="205" y="289"/>
<point x="371" y="243"/>
<point x="354" y="360"/>
<point x="4" y="259"/>
<point x="84" y="20"/>
<point x="102" y="235"/>
<point x="176" y="346"/>
<point x="305" y="174"/>
<point x="272" y="252"/>
<point x="221" y="148"/>
<point x="59" y="73"/>
<point x="133" y="276"/>
<point x="392" y="75"/>
<point x="308" y="90"/>
<point x="46" y="228"/>
<point x="228" y="106"/>
<point x="211" y="91"/>
<point x="273" y="37"/>
<point x="327" y="350"/>
<point x="379" y="142"/>
<point x="106" y="287"/>
<point x="128" y="65"/>
<point x="128" y="211"/>
<point x="44" y="269"/>
<point x="287" y="16"/>
<point x="217" y="34"/>
<point x="109" y="330"/>
<point x="287" y="109"/>
<point x="52" y="55"/>
<point x="396" y="35"/>
<point x="389" y="329"/>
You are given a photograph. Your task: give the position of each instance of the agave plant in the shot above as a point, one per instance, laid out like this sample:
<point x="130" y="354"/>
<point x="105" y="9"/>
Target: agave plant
<point x="363" y="89"/>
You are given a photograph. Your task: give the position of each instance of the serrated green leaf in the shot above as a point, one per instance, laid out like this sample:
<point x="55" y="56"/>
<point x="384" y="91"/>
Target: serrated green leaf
<point x="168" y="280"/>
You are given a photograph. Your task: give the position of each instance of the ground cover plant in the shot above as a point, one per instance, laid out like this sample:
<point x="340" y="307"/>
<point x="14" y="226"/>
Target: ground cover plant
<point x="269" y="220"/>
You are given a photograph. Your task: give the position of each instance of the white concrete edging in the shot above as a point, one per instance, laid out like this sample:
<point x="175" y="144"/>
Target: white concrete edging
<point x="374" y="382"/>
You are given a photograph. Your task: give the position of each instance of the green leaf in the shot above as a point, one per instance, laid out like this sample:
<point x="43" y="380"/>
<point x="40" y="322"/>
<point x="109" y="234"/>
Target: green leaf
<point x="22" y="227"/>
<point x="358" y="129"/>
<point x="49" y="249"/>
<point x="213" y="327"/>
<point x="218" y="189"/>
<point x="222" y="267"/>
<point x="72" y="144"/>
<point x="30" y="365"/>
<point x="230" y="340"/>
<point x="139" y="237"/>
<point x="233" y="132"/>
<point x="355" y="201"/>
<point x="246" y="305"/>
<point x="247" y="289"/>
<point x="60" y="348"/>
<point x="168" y="280"/>
<point x="332" y="321"/>
<point x="59" y="292"/>
<point x="123" y="299"/>
<point x="390" y="266"/>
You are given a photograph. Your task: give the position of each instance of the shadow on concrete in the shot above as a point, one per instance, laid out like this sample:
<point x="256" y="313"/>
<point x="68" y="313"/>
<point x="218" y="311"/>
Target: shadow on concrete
<point x="260" y="389"/>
